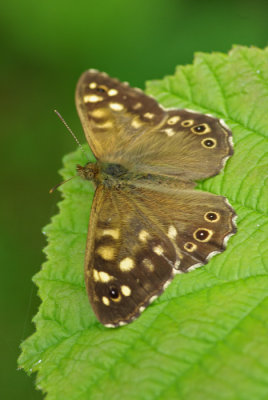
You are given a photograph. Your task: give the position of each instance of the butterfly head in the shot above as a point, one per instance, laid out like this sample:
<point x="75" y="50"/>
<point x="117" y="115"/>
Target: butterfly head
<point x="89" y="172"/>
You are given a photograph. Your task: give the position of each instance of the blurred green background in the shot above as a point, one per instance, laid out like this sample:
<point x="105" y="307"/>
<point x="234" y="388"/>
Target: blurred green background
<point x="45" y="46"/>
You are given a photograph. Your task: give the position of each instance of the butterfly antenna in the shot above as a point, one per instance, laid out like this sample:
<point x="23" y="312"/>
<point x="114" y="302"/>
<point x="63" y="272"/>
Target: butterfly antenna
<point x="77" y="141"/>
<point x="59" y="184"/>
<point x="71" y="132"/>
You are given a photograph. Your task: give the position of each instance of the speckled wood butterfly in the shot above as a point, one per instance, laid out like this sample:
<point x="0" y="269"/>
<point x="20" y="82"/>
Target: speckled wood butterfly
<point x="147" y="222"/>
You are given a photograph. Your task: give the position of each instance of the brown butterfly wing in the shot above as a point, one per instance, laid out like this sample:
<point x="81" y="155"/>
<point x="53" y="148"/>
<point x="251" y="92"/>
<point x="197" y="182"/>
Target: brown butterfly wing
<point x="189" y="145"/>
<point x="110" y="113"/>
<point x="122" y="272"/>
<point x="127" y="127"/>
<point x="140" y="237"/>
<point x="198" y="224"/>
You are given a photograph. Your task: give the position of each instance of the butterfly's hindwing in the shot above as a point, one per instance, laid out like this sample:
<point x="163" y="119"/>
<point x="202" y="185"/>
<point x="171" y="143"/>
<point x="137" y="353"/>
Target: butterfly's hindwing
<point x="141" y="238"/>
<point x="147" y="222"/>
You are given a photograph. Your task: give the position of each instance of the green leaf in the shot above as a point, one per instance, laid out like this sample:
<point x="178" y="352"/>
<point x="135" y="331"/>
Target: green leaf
<point x="206" y="337"/>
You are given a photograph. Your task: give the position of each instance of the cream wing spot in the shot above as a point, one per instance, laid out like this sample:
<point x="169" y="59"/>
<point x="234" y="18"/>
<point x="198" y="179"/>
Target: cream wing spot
<point x="144" y="236"/>
<point x="148" y="264"/>
<point x="136" y="123"/>
<point x="104" y="277"/>
<point x="112" y="92"/>
<point x="169" y="132"/>
<point x="149" y="115"/>
<point x="115" y="233"/>
<point x="173" y="120"/>
<point x="105" y="300"/>
<point x="92" y="85"/>
<point x="127" y="264"/>
<point x="172" y="232"/>
<point x="95" y="275"/>
<point x="116" y="106"/>
<point x="92" y="98"/>
<point x="101" y="276"/>
<point x="106" y="252"/>
<point x="99" y="113"/>
<point x="137" y="106"/>
<point x="104" y="125"/>
<point x="126" y="291"/>
<point x="158" y="250"/>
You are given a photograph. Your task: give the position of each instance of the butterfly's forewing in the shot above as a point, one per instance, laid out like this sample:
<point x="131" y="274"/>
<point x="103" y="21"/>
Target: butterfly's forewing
<point x="139" y="238"/>
<point x="113" y="114"/>
<point x="124" y="126"/>
<point x="188" y="145"/>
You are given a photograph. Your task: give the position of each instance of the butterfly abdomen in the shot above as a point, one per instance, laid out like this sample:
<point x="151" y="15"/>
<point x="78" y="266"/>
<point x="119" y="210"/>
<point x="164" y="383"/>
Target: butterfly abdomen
<point x="117" y="175"/>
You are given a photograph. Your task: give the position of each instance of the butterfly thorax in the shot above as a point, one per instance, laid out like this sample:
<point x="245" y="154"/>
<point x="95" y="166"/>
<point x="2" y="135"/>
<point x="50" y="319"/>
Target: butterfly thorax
<point x="108" y="174"/>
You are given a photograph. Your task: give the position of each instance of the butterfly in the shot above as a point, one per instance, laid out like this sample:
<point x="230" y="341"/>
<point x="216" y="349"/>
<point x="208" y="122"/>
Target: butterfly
<point x="147" y="221"/>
